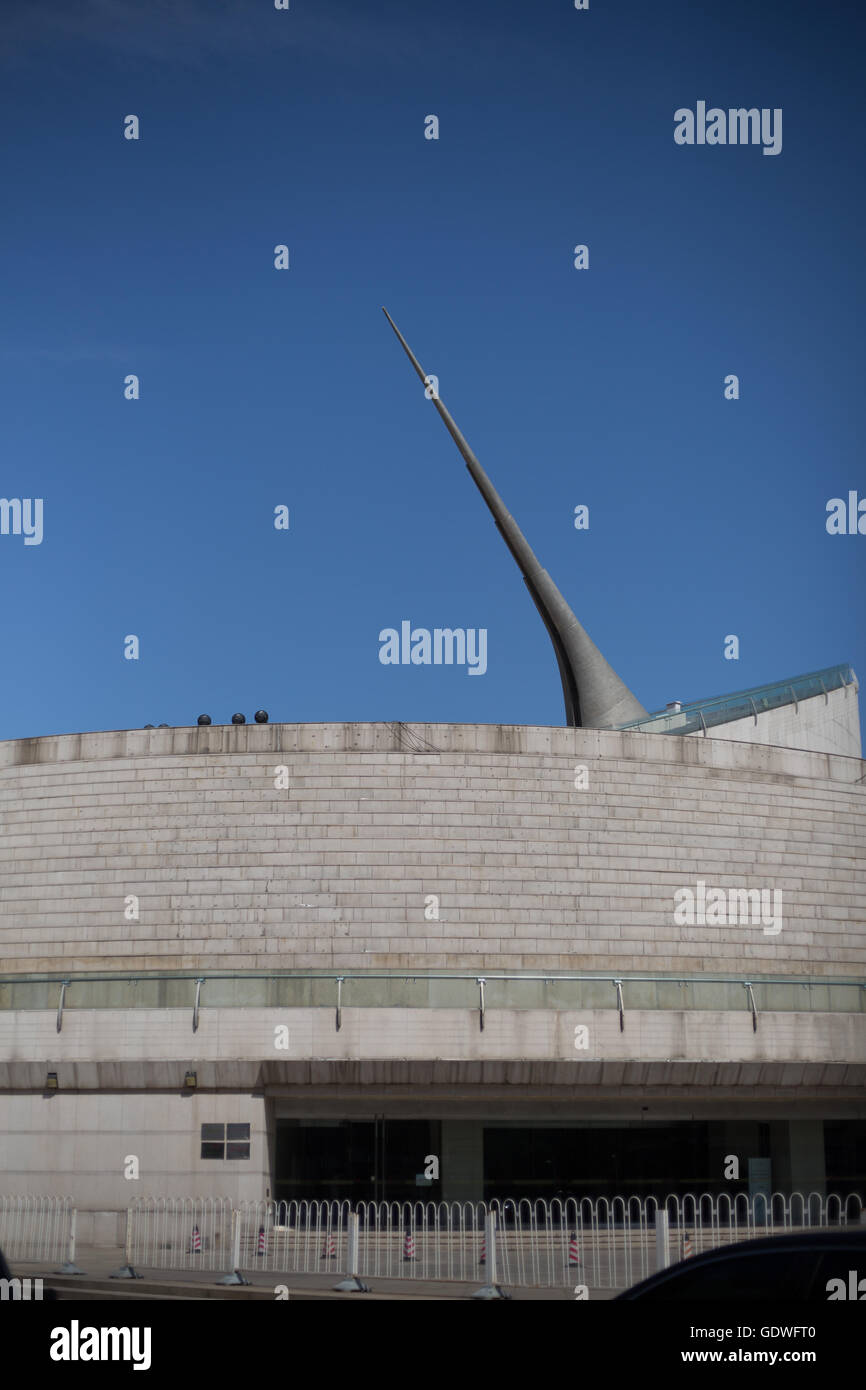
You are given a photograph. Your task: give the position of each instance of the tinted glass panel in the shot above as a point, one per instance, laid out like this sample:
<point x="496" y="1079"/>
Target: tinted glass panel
<point x="238" y="1150"/>
<point x="237" y="1131"/>
<point x="213" y="1132"/>
<point x="212" y="1150"/>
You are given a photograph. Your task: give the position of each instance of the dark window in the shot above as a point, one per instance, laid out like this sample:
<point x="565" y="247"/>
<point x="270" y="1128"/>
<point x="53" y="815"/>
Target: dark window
<point x="225" y="1141"/>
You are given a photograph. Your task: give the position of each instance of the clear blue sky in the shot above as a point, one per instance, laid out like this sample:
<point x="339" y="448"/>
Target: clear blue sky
<point x="261" y="387"/>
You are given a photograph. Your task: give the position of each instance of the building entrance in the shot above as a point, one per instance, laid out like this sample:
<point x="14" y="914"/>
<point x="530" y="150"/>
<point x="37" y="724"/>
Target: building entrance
<point x="375" y="1160"/>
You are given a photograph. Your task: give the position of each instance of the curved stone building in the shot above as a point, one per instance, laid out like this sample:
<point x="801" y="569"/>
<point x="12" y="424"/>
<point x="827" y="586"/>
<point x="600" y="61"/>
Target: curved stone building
<point x="298" y="960"/>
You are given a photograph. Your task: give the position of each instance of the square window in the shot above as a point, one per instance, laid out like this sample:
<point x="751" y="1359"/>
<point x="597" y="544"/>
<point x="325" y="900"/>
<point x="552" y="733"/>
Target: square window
<point x="237" y="1132"/>
<point x="213" y="1132"/>
<point x="209" y="1150"/>
<point x="237" y="1150"/>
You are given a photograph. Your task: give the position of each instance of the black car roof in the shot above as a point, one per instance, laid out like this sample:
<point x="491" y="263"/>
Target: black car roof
<point x="827" y="1238"/>
<point x="827" y="1235"/>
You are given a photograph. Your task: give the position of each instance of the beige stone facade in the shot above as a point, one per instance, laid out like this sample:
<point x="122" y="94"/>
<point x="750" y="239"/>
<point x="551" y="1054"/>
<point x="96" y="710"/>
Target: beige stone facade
<point x="387" y="870"/>
<point x="336" y="869"/>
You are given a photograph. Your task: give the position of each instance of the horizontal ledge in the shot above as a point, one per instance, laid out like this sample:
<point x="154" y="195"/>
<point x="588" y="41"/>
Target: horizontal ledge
<point x="414" y="977"/>
<point x="517" y="1077"/>
<point x="420" y="740"/>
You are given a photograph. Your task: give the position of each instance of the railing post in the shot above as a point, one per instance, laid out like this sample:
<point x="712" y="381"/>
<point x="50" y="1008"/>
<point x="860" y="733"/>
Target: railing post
<point x="198" y="985"/>
<point x="490" y="1229"/>
<point x="127" y="1271"/>
<point x="353" y="1238"/>
<point x="70" y="1266"/>
<point x="748" y="988"/>
<point x="63" y="988"/>
<point x="620" y="1005"/>
<point x="235" y="1276"/>
<point x="491" y="1289"/>
<point x="663" y="1240"/>
<point x="351" y="1283"/>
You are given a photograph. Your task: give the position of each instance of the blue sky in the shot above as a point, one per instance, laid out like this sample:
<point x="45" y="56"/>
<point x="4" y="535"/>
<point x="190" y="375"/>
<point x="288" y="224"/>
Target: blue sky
<point x="262" y="387"/>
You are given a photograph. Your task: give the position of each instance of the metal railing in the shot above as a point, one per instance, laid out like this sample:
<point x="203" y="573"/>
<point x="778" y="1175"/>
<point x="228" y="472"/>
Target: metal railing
<point x="471" y="989"/>
<point x="696" y="715"/>
<point x="604" y="1243"/>
<point x="37" y="1228"/>
<point x="179" y="1232"/>
<point x="601" y="1242"/>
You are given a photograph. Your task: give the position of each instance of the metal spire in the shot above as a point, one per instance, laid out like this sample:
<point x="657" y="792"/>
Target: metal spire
<point x="595" y="697"/>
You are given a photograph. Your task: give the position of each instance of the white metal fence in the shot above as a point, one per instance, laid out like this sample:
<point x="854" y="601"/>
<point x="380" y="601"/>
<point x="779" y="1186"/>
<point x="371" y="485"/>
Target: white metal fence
<point x="37" y="1228"/>
<point x="180" y="1233"/>
<point x="601" y="1242"/>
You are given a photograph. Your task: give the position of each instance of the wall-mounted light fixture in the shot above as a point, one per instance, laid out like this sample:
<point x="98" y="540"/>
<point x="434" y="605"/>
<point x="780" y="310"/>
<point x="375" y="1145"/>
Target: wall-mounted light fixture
<point x="190" y="1080"/>
<point x="51" y="1081"/>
